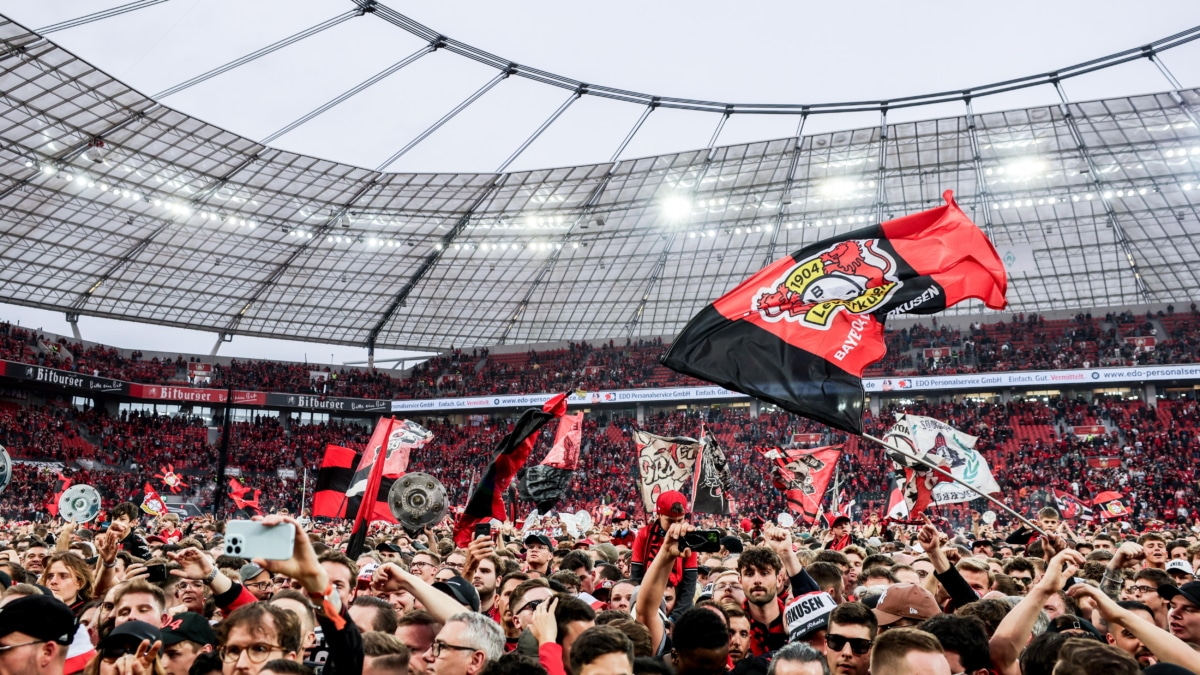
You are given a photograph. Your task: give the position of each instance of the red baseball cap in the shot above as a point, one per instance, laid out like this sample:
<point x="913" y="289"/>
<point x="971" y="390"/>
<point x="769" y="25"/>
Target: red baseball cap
<point x="671" y="503"/>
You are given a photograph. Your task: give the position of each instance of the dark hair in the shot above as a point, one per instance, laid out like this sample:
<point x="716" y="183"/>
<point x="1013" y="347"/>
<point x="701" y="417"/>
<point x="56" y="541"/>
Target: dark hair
<point x="520" y="576"/>
<point x="646" y="665"/>
<point x="377" y="643"/>
<point x="596" y="642"/>
<point x="878" y="559"/>
<point x="341" y="559"/>
<point x="826" y="574"/>
<point x="1018" y="565"/>
<point x="963" y="635"/>
<point x="1079" y="656"/>
<point x="1041" y="654"/>
<point x="287" y="667"/>
<point x="568" y="610"/>
<point x="569" y="580"/>
<point x="760" y="558"/>
<point x="1157" y="577"/>
<point x="836" y="557"/>
<point x="637" y="633"/>
<point x="609" y="571"/>
<point x="701" y="628"/>
<point x="514" y="663"/>
<point x="576" y="559"/>
<point x="206" y="663"/>
<point x="124" y="509"/>
<point x="520" y="591"/>
<point x="287" y="624"/>
<point x="1130" y="605"/>
<point x="990" y="611"/>
<point x="297" y="596"/>
<point x="798" y="652"/>
<point x="1151" y="536"/>
<point x="855" y="614"/>
<point x="878" y="572"/>
<point x="610" y="615"/>
<point x="417" y="617"/>
<point x="386" y="619"/>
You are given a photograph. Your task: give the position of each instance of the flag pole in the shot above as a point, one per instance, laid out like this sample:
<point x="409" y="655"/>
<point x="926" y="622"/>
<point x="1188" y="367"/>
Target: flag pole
<point x="946" y="474"/>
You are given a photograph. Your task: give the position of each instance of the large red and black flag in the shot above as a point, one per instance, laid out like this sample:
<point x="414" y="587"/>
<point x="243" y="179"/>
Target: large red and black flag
<point x="547" y="482"/>
<point x="333" y="480"/>
<point x="800" y="332"/>
<point x="487" y="499"/>
<point x="711" y="482"/>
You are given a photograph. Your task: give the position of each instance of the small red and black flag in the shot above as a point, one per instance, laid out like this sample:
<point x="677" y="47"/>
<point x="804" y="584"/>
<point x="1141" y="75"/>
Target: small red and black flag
<point x="487" y="500"/>
<point x="546" y="483"/>
<point x="800" y="332"/>
<point x="57" y="488"/>
<point x="244" y="497"/>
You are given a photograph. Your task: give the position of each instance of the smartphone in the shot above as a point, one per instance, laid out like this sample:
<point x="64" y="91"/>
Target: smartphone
<point x="158" y="573"/>
<point x="483" y="530"/>
<point x="250" y="539"/>
<point x="703" y="541"/>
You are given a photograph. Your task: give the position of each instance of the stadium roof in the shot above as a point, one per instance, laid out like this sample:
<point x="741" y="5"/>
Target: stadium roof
<point x="115" y="205"/>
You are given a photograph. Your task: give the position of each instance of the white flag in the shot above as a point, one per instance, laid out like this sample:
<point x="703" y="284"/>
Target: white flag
<point x="957" y="451"/>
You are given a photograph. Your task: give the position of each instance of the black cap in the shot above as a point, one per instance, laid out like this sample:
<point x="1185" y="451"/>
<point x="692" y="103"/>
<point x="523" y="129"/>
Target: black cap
<point x="130" y="632"/>
<point x="980" y="543"/>
<point x="389" y="547"/>
<point x="42" y="617"/>
<point x="1190" y="590"/>
<point x="5" y="580"/>
<point x="732" y="544"/>
<point x="535" y="538"/>
<point x="461" y="590"/>
<point x="188" y="626"/>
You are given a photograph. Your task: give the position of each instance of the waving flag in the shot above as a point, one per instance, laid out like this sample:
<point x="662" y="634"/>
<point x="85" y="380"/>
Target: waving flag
<point x="546" y="483"/>
<point x="711" y="481"/>
<point x="916" y="485"/>
<point x="152" y="503"/>
<point x="1109" y="506"/>
<point x="401" y="438"/>
<point x="1071" y="507"/>
<point x="800" y="332"/>
<point x="333" y="480"/>
<point x="60" y="485"/>
<point x="487" y="499"/>
<point x="244" y="497"/>
<point x="664" y="464"/>
<point x="803" y="474"/>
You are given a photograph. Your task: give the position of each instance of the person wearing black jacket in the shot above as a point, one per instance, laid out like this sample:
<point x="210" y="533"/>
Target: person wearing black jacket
<point x="122" y="520"/>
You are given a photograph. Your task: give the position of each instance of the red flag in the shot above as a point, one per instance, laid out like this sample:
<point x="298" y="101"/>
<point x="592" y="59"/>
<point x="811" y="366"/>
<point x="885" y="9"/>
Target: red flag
<point x="245" y="498"/>
<point x="60" y="485"/>
<point x="333" y="480"/>
<point x="1109" y="506"/>
<point x="371" y="460"/>
<point x="487" y="500"/>
<point x="565" y="453"/>
<point x="547" y="482"/>
<point x="401" y="438"/>
<point x="800" y="332"/>
<point x="152" y="503"/>
<point x="1070" y="506"/>
<point x="803" y="474"/>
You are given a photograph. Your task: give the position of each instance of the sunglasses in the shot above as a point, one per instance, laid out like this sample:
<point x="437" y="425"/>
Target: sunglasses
<point x="531" y="605"/>
<point x="837" y="643"/>
<point x="114" y="653"/>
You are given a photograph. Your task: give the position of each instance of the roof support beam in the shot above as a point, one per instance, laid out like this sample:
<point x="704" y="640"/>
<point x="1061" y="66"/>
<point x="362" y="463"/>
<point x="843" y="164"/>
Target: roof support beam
<point x="352" y="92"/>
<point x="445" y="118"/>
<point x="785" y="200"/>
<point x="545" y="125"/>
<point x="586" y="211"/>
<point x="880" y="190"/>
<point x="661" y="263"/>
<point x="302" y="249"/>
<point x="432" y="259"/>
<point x="1176" y="89"/>
<point x="1094" y="173"/>
<point x="98" y="16"/>
<point x="252" y="56"/>
<point x="985" y="196"/>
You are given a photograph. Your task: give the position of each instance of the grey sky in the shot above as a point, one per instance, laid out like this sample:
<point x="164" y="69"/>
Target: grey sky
<point x="737" y="52"/>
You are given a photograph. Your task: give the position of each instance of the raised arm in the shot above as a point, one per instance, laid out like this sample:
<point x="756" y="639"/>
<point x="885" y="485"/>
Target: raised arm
<point x="1165" y="646"/>
<point x="1013" y="632"/>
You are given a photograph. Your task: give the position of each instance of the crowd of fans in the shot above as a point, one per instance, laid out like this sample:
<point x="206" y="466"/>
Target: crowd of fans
<point x="1021" y="343"/>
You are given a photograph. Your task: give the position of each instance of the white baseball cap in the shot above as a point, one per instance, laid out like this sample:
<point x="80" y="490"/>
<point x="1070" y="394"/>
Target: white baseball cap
<point x="1179" y="566"/>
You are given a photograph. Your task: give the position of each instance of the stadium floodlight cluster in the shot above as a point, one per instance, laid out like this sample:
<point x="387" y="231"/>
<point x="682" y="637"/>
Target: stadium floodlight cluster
<point x="113" y="204"/>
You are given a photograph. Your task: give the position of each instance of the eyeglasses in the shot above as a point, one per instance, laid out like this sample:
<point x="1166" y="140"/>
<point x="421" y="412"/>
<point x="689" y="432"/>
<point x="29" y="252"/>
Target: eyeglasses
<point x="416" y="565"/>
<point x="4" y="648"/>
<point x="257" y="653"/>
<point x="837" y="643"/>
<point x="261" y="585"/>
<point x="189" y="584"/>
<point x="1024" y="581"/>
<point x="1139" y="590"/>
<point x="438" y="646"/>
<point x="456" y="566"/>
<point x="531" y="605"/>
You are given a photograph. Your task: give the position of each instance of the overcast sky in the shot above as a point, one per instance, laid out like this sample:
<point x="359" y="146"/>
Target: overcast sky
<point x="747" y="52"/>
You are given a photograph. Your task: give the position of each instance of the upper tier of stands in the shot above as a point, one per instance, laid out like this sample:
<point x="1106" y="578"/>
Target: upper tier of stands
<point x="1021" y="343"/>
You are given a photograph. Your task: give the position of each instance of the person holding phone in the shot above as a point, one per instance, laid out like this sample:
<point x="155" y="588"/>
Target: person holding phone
<point x="671" y="509"/>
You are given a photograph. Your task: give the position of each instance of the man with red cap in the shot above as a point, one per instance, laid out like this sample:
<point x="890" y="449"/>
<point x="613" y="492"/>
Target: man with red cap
<point x="670" y="508"/>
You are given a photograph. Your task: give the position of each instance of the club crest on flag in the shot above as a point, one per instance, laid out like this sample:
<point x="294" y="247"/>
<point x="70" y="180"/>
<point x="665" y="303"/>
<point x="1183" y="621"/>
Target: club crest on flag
<point x="854" y="276"/>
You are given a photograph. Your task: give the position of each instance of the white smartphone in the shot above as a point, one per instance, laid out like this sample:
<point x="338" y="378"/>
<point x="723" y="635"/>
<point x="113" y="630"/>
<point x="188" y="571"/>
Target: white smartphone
<point x="250" y="539"/>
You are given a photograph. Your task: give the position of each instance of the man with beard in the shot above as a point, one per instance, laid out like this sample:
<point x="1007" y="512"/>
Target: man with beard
<point x="1121" y="637"/>
<point x="759" y="568"/>
<point x="1165" y="647"/>
<point x="503" y="606"/>
<point x="482" y="569"/>
<point x="727" y="588"/>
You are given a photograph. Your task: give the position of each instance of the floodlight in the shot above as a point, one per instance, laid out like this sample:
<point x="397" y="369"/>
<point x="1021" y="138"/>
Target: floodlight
<point x="677" y="207"/>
